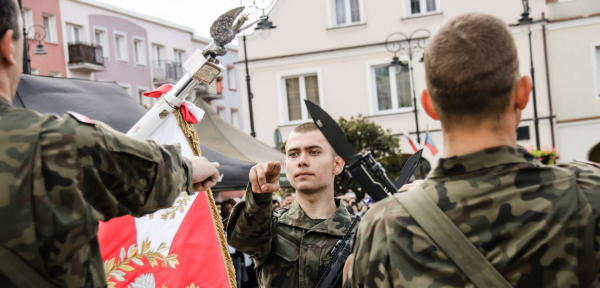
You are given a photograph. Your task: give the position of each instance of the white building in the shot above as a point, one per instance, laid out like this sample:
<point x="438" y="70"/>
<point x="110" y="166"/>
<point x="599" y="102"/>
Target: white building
<point x="333" y="52"/>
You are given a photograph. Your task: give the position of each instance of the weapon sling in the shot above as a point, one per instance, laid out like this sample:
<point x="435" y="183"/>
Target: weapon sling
<point x="452" y="241"/>
<point x="19" y="272"/>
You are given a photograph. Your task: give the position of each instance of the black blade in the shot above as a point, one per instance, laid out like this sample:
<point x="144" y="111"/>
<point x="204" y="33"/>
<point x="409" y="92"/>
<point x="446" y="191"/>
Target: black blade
<point x="333" y="133"/>
<point x="408" y="169"/>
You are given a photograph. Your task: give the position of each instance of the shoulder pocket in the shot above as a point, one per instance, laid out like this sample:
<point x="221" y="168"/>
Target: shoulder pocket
<point x="286" y="249"/>
<point x="121" y="143"/>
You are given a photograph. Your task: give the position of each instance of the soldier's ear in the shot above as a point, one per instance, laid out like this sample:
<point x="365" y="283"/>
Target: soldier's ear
<point x="428" y="105"/>
<point x="338" y="165"/>
<point x="7" y="49"/>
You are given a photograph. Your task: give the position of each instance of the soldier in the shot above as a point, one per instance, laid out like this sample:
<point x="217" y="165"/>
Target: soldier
<point x="537" y="225"/>
<point x="59" y="177"/>
<point x="292" y="247"/>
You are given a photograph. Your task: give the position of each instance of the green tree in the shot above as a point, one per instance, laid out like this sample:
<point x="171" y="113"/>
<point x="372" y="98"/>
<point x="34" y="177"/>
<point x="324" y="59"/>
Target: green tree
<point x="364" y="136"/>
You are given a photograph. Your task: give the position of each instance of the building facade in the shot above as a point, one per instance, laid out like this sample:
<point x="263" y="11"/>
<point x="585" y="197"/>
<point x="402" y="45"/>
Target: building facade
<point x="574" y="69"/>
<point x="43" y="17"/>
<point x="339" y="60"/>
<point x="92" y="40"/>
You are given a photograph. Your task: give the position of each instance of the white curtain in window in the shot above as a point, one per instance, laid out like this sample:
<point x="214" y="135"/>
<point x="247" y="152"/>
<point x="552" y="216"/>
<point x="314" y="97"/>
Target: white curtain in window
<point x="355" y="9"/>
<point x="292" y="86"/>
<point x="340" y="11"/>
<point x="384" y="94"/>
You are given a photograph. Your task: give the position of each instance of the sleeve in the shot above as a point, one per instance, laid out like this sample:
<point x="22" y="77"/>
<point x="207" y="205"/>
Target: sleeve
<point x="251" y="225"/>
<point x="115" y="174"/>
<point x="371" y="267"/>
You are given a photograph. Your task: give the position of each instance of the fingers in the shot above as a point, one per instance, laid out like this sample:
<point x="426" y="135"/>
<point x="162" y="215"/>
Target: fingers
<point x="264" y="178"/>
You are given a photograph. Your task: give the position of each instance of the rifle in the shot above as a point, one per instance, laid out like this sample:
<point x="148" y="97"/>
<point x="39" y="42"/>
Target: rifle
<point x="341" y="251"/>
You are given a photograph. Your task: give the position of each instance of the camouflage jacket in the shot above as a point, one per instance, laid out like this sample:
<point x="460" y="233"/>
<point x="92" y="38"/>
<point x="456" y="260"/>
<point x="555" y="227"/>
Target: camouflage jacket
<point x="538" y="225"/>
<point x="58" y="177"/>
<point x="287" y="252"/>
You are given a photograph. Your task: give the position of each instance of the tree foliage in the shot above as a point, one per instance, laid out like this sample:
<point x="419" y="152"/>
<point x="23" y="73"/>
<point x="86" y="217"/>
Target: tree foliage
<point x="364" y="136"/>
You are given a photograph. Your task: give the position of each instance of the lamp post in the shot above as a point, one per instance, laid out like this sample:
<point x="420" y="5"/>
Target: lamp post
<point x="264" y="24"/>
<point x="39" y="48"/>
<point x="526" y="20"/>
<point x="409" y="46"/>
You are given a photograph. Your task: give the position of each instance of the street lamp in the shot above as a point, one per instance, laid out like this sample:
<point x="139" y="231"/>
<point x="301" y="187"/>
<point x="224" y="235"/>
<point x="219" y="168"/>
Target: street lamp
<point x="264" y="24"/>
<point x="409" y="46"/>
<point x="526" y="20"/>
<point x="39" y="48"/>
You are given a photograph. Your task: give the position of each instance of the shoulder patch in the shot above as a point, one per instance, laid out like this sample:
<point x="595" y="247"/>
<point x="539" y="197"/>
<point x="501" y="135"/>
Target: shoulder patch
<point x="81" y="118"/>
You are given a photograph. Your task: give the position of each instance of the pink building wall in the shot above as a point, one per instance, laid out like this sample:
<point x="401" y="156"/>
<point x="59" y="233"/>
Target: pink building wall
<point x="55" y="59"/>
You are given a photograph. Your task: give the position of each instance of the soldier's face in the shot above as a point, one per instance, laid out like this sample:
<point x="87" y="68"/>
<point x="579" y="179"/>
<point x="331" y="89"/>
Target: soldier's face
<point x="311" y="163"/>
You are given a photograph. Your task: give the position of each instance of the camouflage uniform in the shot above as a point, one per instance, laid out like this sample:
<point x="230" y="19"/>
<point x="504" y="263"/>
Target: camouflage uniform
<point x="287" y="251"/>
<point x="58" y="177"/>
<point x="538" y="225"/>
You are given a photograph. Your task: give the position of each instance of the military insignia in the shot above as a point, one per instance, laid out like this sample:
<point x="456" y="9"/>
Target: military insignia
<point x="81" y="118"/>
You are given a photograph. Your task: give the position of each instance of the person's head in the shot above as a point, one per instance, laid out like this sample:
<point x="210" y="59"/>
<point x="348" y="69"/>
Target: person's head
<point x="11" y="47"/>
<point x="472" y="73"/>
<point x="311" y="163"/>
<point x="288" y="199"/>
<point x="227" y="207"/>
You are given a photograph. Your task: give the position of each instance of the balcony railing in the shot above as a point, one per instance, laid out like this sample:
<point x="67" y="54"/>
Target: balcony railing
<point x="167" y="72"/>
<point x="86" y="57"/>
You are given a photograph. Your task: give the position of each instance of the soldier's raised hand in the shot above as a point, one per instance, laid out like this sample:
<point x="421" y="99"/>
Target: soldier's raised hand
<point x="264" y="177"/>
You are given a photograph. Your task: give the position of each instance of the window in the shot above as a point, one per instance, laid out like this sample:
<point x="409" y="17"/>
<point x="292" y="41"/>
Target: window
<point x="49" y="23"/>
<point x="221" y="112"/>
<point x="231" y="78"/>
<point x="54" y="74"/>
<point x="422" y="7"/>
<point x="157" y="56"/>
<point x="297" y="89"/>
<point x="178" y="56"/>
<point x="392" y="95"/>
<point x="101" y="40"/>
<point x="28" y="22"/>
<point x="347" y="12"/>
<point x="141" y="96"/>
<point x="35" y="71"/>
<point x="121" y="47"/>
<point x="235" y="118"/>
<point x="140" y="51"/>
<point x="74" y="33"/>
<point x="597" y="69"/>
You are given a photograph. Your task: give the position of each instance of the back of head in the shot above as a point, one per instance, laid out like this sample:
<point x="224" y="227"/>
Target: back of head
<point x="471" y="65"/>
<point x="9" y="18"/>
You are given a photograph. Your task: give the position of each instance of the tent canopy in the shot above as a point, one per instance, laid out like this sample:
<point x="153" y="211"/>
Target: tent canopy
<point x="108" y="103"/>
<point x="223" y="137"/>
<point x="232" y="142"/>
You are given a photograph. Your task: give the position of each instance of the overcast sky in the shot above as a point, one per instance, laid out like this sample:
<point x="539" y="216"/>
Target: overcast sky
<point x="197" y="14"/>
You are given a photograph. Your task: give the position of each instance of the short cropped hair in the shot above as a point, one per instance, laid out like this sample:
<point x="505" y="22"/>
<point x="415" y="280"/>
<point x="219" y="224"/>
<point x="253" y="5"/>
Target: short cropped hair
<point x="9" y="18"/>
<point x="308" y="127"/>
<point x="471" y="66"/>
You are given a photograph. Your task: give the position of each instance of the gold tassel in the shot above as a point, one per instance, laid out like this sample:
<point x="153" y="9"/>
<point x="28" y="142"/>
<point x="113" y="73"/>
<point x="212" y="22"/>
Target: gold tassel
<point x="192" y="138"/>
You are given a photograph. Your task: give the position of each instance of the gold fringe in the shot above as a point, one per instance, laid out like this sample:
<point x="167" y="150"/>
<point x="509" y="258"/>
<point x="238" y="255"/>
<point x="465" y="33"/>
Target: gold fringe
<point x="192" y="138"/>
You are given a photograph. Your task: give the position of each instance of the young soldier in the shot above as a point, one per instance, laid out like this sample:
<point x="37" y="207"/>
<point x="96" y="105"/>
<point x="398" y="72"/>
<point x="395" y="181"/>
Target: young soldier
<point x="291" y="248"/>
<point x="537" y="225"/>
<point x="59" y="177"/>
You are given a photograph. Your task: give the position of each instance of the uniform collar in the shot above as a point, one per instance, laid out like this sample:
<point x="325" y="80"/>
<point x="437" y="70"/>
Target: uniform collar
<point x="482" y="161"/>
<point x="3" y="103"/>
<point x="335" y="225"/>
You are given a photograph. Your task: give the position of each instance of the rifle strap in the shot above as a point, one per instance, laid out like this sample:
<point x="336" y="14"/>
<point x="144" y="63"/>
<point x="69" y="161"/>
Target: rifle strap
<point x="19" y="272"/>
<point x="450" y="239"/>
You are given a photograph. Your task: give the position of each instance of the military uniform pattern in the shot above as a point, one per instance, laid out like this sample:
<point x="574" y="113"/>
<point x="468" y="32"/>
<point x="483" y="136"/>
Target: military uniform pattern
<point x="287" y="251"/>
<point x="538" y="225"/>
<point x="59" y="177"/>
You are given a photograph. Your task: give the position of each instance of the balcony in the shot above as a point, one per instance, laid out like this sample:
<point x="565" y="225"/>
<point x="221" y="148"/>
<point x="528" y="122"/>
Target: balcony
<point x="171" y="72"/>
<point x="86" y="58"/>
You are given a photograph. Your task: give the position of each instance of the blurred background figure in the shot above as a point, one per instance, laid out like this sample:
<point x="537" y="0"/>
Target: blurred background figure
<point x="237" y="257"/>
<point x="276" y="205"/>
<point x="226" y="207"/>
<point x="288" y="199"/>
